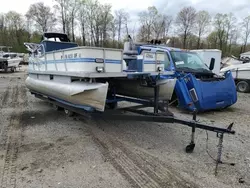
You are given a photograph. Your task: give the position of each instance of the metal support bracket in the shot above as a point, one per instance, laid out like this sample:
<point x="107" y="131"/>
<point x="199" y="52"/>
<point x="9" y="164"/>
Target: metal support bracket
<point x="191" y="146"/>
<point x="156" y="98"/>
<point x="219" y="154"/>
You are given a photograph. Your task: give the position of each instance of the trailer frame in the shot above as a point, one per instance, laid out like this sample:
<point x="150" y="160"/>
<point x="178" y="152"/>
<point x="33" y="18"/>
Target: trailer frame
<point x="160" y="114"/>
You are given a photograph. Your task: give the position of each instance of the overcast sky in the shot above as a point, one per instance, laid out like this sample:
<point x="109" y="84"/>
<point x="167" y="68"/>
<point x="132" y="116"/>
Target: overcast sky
<point x="240" y="8"/>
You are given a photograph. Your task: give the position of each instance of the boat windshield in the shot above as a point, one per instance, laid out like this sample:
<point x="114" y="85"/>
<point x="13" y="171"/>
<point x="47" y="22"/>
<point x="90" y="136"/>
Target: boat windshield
<point x="6" y="55"/>
<point x="10" y="55"/>
<point x="188" y="61"/>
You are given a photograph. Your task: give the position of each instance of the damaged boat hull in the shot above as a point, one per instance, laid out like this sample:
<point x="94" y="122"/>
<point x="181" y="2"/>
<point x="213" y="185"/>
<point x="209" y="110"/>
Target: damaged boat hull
<point x="75" y="92"/>
<point x="137" y="89"/>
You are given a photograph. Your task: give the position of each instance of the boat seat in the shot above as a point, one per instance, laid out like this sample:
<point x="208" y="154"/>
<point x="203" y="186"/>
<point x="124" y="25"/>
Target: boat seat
<point x="130" y="52"/>
<point x="129" y="49"/>
<point x="53" y="45"/>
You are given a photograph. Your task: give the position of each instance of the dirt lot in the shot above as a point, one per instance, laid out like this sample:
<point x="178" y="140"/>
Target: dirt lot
<point x="41" y="147"/>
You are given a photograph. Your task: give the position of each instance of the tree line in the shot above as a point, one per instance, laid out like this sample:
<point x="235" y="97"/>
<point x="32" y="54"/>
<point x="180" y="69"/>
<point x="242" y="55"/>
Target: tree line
<point x="96" y="25"/>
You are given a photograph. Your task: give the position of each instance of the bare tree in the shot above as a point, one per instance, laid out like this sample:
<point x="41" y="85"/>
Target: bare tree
<point x="161" y="26"/>
<point x="168" y="23"/>
<point x="154" y="25"/>
<point x="126" y="21"/>
<point x="82" y="19"/>
<point x="113" y="31"/>
<point x="185" y="20"/>
<point x="42" y="16"/>
<point x="147" y="19"/>
<point x="132" y="30"/>
<point x="15" y="24"/>
<point x="236" y="36"/>
<point x="246" y="30"/>
<point x="232" y="38"/>
<point x="158" y="26"/>
<point x="142" y="34"/>
<point x="220" y="23"/>
<point x="14" y="20"/>
<point x="90" y="14"/>
<point x="230" y="27"/>
<point x="2" y="26"/>
<point x="202" y="22"/>
<point x="1" y="21"/>
<point x="62" y="7"/>
<point x="28" y="25"/>
<point x="106" y="20"/>
<point x="72" y="10"/>
<point x="98" y="19"/>
<point x="121" y="18"/>
<point x="212" y="39"/>
<point x="96" y="22"/>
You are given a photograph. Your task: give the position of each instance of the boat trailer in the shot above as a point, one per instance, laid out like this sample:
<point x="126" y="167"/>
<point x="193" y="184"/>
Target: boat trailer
<point x="160" y="114"/>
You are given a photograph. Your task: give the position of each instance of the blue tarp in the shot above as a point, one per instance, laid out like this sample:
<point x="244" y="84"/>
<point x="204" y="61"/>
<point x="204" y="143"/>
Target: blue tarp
<point x="53" y="45"/>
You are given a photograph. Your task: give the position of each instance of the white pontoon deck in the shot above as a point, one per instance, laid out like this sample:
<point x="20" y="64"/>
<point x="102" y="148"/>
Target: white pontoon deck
<point x="64" y="70"/>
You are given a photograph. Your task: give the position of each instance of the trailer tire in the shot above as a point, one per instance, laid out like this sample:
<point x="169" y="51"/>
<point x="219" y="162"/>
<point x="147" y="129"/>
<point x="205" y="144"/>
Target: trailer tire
<point x="68" y="113"/>
<point x="190" y="148"/>
<point x="113" y="105"/>
<point x="5" y="67"/>
<point x="56" y="107"/>
<point x="243" y="86"/>
<point x="13" y="69"/>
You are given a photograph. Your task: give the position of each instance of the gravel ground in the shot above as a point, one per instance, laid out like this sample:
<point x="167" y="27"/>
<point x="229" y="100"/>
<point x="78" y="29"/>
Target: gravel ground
<point x="41" y="147"/>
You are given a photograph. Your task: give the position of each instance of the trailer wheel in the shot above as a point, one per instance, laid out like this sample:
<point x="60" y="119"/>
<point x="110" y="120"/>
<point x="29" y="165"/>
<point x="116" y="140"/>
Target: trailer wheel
<point x="113" y="105"/>
<point x="243" y="87"/>
<point x="5" y="67"/>
<point x="13" y="69"/>
<point x="57" y="108"/>
<point x="190" y="148"/>
<point x="68" y="112"/>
